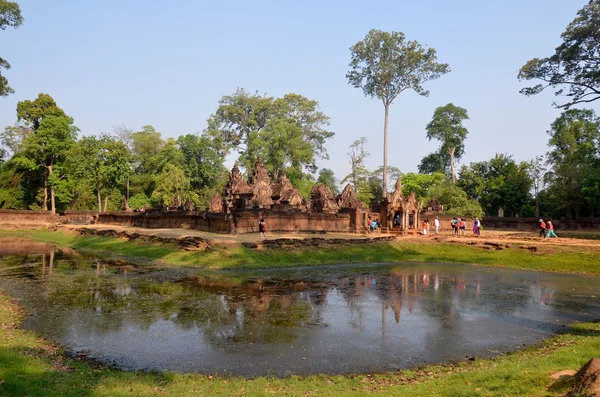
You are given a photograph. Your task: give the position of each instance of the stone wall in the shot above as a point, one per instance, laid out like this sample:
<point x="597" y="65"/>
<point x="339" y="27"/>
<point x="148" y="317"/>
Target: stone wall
<point x="243" y="222"/>
<point x="20" y="217"/>
<point x="247" y="222"/>
<point x="82" y="217"/>
<point x="216" y="223"/>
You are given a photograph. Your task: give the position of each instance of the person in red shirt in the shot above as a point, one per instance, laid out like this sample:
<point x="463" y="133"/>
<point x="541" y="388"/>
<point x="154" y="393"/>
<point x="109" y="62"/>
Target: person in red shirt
<point x="542" y="228"/>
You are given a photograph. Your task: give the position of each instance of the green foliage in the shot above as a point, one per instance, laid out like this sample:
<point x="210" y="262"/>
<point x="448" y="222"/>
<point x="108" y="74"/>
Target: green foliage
<point x="171" y="182"/>
<point x="384" y="64"/>
<point x="31" y="113"/>
<point x="423" y="185"/>
<point x="375" y="181"/>
<point x="302" y="181"/>
<point x="574" y="161"/>
<point x="437" y="161"/>
<point x="446" y="127"/>
<point x="147" y="143"/>
<point x="498" y="183"/>
<point x="138" y="201"/>
<point x="10" y="16"/>
<point x="327" y="177"/>
<point x="286" y="132"/>
<point x="574" y="63"/>
<point x="456" y="202"/>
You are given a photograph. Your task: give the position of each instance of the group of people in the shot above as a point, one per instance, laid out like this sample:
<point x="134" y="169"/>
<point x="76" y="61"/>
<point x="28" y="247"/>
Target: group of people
<point x="459" y="226"/>
<point x="546" y="229"/>
<point x="372" y="223"/>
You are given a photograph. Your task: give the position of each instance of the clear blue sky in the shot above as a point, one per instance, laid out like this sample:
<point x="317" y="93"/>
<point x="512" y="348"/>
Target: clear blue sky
<point x="167" y="63"/>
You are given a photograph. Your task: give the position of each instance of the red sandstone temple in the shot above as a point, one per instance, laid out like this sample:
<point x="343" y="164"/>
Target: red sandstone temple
<point x="280" y="204"/>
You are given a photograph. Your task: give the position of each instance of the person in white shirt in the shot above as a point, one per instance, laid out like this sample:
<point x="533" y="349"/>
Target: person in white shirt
<point x="436" y="223"/>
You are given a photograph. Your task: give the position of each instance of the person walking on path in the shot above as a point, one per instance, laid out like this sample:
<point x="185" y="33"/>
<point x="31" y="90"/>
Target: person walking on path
<point x="436" y="223"/>
<point x="425" y="227"/>
<point x="463" y="226"/>
<point x="542" y="228"/>
<point x="550" y="228"/>
<point x="476" y="227"/>
<point x="454" y="224"/>
<point x="262" y="228"/>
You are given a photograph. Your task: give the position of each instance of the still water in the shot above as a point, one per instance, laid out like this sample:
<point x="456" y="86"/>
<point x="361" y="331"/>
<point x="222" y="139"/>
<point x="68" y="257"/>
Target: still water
<point x="334" y="319"/>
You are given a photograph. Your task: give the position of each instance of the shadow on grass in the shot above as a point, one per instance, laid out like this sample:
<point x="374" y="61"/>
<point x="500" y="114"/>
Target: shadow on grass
<point x="29" y="373"/>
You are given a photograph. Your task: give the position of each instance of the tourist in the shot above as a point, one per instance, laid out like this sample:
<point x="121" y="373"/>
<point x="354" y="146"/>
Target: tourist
<point x="550" y="228"/>
<point x="373" y="226"/>
<point x="397" y="221"/>
<point x="454" y="224"/>
<point x="463" y="226"/>
<point x="262" y="228"/>
<point x="424" y="227"/>
<point x="369" y="224"/>
<point x="436" y="223"/>
<point x="542" y="226"/>
<point x="476" y="227"/>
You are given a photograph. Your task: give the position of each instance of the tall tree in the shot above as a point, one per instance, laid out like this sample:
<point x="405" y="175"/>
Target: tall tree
<point x="446" y="126"/>
<point x="537" y="173"/>
<point x="10" y="16"/>
<point x="575" y="62"/>
<point x="46" y="149"/>
<point x="574" y="149"/>
<point x="384" y="65"/>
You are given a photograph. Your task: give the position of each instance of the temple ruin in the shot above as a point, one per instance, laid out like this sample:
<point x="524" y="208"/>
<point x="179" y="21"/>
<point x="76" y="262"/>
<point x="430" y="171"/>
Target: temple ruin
<point x="245" y="201"/>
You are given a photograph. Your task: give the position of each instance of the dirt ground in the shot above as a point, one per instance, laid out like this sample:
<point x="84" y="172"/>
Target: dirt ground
<point x="488" y="236"/>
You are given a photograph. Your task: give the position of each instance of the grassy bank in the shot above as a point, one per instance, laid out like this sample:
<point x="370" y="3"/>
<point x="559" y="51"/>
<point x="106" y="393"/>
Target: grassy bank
<point x="31" y="366"/>
<point x="546" y="258"/>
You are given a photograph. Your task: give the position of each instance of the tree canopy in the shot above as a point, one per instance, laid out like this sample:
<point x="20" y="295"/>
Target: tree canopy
<point x="384" y="64"/>
<point x="446" y="127"/>
<point x="575" y="63"/>
<point x="287" y="132"/>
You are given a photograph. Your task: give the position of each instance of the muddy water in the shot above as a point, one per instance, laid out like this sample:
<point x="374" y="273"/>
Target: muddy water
<point x="336" y="319"/>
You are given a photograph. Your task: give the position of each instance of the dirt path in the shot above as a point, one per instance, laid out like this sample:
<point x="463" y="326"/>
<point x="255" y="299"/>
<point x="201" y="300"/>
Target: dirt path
<point x="493" y="237"/>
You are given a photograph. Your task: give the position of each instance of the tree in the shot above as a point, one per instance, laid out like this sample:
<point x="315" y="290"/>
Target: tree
<point x="456" y="202"/>
<point x="574" y="64"/>
<point x="13" y="137"/>
<point x="437" y="161"/>
<point x="202" y="165"/>
<point x="327" y="177"/>
<point x="498" y="183"/>
<point x="359" y="174"/>
<point x="423" y="185"/>
<point x="31" y="113"/>
<point x="574" y="148"/>
<point x="46" y="149"/>
<point x="375" y="181"/>
<point x="10" y="16"/>
<point x="384" y="65"/>
<point x="537" y="173"/>
<point x="446" y="126"/>
<point x="104" y="161"/>
<point x="286" y="132"/>
<point x="171" y="182"/>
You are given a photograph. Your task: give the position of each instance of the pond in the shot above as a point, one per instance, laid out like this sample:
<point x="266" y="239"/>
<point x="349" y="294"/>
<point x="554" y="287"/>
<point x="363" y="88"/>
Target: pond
<point x="330" y="319"/>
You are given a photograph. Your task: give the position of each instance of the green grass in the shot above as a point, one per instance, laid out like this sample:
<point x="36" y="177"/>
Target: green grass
<point x="29" y="366"/>
<point x="555" y="258"/>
